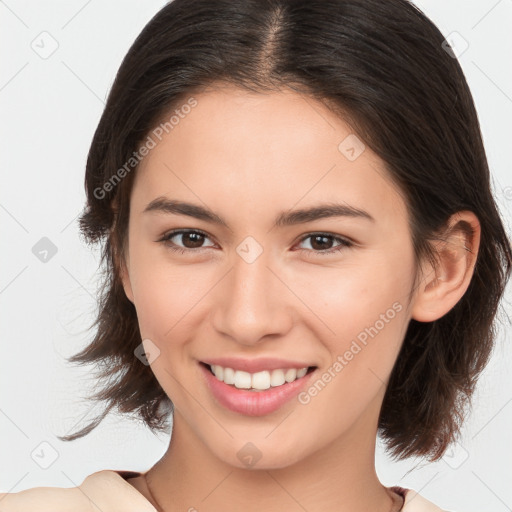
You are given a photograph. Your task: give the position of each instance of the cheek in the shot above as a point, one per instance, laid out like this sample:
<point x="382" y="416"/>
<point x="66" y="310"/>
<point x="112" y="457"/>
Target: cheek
<point x="362" y="356"/>
<point x="165" y="297"/>
<point x="363" y="313"/>
<point x="371" y="322"/>
<point x="346" y="299"/>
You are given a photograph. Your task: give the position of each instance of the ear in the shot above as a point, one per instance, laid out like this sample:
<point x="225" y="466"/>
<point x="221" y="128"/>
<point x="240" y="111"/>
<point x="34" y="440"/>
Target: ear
<point x="124" y="274"/>
<point x="443" y="286"/>
<point x="120" y="256"/>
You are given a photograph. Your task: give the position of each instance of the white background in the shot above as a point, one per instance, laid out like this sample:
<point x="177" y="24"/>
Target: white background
<point x="49" y="109"/>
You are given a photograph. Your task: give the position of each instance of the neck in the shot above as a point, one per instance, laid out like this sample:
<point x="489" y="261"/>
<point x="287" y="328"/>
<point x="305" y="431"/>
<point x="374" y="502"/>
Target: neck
<point x="341" y="476"/>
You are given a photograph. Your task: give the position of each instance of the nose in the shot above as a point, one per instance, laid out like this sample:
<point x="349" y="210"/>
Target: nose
<point x="252" y="302"/>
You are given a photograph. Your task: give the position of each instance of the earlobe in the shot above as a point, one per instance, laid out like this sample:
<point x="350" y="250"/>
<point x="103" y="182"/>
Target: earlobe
<point x="443" y="286"/>
<point x="122" y="263"/>
<point x="125" y="279"/>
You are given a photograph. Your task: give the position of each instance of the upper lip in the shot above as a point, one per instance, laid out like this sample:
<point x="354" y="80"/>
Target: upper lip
<point x="256" y="365"/>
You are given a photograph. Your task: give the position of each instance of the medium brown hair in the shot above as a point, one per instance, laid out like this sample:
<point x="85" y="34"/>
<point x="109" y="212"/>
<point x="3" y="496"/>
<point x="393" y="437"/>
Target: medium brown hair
<point x="383" y="67"/>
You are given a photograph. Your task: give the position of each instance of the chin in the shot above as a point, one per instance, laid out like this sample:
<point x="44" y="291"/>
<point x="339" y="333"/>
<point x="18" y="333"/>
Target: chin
<point x="255" y="455"/>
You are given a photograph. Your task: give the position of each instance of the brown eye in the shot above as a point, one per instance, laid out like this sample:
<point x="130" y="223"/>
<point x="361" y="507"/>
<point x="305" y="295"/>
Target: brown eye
<point x="322" y="243"/>
<point x="190" y="240"/>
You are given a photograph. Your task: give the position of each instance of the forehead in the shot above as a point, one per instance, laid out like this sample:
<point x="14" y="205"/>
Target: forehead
<point x="262" y="149"/>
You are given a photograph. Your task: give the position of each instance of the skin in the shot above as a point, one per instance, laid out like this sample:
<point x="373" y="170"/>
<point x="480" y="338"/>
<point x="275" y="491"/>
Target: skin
<point x="248" y="157"/>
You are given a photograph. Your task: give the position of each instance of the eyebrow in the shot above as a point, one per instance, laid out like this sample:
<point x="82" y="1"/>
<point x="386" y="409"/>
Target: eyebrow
<point x="286" y="218"/>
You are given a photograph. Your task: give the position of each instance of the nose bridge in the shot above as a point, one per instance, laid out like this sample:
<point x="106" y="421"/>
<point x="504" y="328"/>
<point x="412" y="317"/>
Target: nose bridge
<point x="252" y="302"/>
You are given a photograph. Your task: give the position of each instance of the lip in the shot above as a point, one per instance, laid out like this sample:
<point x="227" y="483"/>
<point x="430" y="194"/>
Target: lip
<point x="256" y="365"/>
<point x="253" y="403"/>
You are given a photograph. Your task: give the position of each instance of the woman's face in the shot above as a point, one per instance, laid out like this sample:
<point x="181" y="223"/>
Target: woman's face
<point x="260" y="280"/>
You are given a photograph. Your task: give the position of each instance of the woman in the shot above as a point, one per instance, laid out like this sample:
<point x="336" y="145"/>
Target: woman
<point x="302" y="251"/>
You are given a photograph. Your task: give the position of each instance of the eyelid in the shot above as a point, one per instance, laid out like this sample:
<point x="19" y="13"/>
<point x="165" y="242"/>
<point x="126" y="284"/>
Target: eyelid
<point x="334" y="236"/>
<point x="344" y="242"/>
<point x="182" y="231"/>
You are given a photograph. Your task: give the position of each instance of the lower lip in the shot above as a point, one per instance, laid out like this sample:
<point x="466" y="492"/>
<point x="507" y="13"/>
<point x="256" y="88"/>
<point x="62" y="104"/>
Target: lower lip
<point x="253" y="403"/>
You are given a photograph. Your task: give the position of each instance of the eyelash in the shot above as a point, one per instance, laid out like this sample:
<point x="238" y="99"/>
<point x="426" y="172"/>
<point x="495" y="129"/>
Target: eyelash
<point x="344" y="243"/>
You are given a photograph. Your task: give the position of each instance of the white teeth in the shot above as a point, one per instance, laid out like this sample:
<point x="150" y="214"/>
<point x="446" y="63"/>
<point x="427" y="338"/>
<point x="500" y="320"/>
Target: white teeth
<point x="277" y="378"/>
<point x="229" y="376"/>
<point x="242" y="380"/>
<point x="290" y="375"/>
<point x="301" y="372"/>
<point x="218" y="371"/>
<point x="259" y="381"/>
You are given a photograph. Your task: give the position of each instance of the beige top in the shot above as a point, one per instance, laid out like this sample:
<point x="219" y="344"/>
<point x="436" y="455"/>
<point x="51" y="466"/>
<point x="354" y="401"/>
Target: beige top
<point x="108" y="491"/>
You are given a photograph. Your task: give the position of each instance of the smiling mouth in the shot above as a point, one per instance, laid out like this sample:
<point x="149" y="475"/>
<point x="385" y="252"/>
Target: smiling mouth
<point x="258" y="381"/>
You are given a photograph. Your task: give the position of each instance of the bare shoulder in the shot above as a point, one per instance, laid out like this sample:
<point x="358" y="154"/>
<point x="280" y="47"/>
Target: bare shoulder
<point x="45" y="499"/>
<point x="103" y="490"/>
<point x="415" y="502"/>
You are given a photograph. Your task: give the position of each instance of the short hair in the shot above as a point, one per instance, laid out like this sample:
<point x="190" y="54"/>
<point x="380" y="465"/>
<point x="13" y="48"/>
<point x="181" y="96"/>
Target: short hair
<point x="385" y="69"/>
